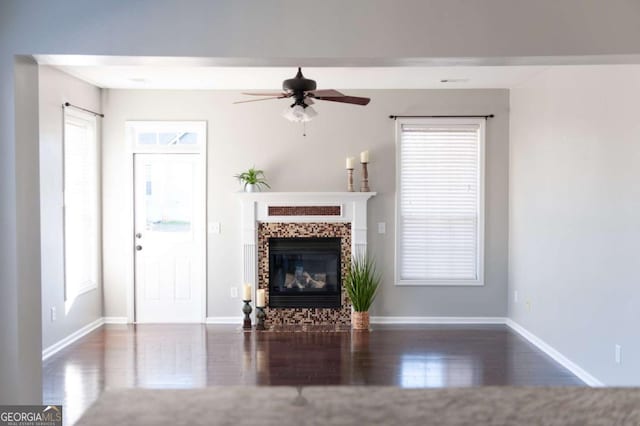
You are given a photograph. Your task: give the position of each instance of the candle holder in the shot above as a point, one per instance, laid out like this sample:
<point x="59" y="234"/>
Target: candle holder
<point x="246" y="309"/>
<point x="364" y="185"/>
<point x="350" y="180"/>
<point x="261" y="317"/>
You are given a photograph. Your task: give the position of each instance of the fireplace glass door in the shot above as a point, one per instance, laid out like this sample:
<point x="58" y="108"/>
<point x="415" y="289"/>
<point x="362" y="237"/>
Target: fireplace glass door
<point x="304" y="273"/>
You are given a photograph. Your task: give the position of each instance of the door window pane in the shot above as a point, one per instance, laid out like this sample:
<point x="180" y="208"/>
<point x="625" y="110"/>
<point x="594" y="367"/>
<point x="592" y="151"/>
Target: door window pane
<point x="169" y="196"/>
<point x="147" y="138"/>
<point x="168" y="138"/>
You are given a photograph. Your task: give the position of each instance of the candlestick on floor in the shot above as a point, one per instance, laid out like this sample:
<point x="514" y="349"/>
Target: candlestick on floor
<point x="364" y="185"/>
<point x="261" y="317"/>
<point x="350" y="180"/>
<point x="246" y="309"/>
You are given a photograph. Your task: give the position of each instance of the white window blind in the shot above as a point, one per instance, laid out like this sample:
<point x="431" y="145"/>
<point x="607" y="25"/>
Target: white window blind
<point x="440" y="202"/>
<point x="81" y="202"/>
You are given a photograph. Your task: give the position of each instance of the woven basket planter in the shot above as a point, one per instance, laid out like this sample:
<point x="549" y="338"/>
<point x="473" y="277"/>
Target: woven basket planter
<point x="360" y="320"/>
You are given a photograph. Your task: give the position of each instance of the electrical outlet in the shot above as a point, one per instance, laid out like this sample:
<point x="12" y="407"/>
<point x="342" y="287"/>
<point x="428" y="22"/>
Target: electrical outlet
<point x="618" y="354"/>
<point x="234" y="292"/>
<point x="214" y="227"/>
<point x="528" y="305"/>
<point x="382" y="227"/>
<point x="515" y="296"/>
<point x="53" y="313"/>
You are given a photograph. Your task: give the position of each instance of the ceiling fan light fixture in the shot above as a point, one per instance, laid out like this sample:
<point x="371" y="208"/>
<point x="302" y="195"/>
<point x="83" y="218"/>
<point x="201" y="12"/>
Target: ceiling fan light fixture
<point x="310" y="113"/>
<point x="299" y="114"/>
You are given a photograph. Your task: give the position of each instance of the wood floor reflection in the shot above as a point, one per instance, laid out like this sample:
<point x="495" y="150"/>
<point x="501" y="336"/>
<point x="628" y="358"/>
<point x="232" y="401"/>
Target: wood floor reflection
<point x="191" y="356"/>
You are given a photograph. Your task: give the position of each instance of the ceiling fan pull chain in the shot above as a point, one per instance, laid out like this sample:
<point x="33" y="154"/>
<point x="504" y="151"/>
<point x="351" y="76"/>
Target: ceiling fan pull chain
<point x="304" y="128"/>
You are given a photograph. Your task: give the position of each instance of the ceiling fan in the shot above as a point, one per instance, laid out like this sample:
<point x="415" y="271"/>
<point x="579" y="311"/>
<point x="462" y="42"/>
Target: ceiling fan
<point x="303" y="91"/>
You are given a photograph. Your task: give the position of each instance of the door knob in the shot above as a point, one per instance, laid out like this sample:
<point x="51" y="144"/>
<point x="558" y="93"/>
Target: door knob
<point x="138" y="248"/>
<point x="138" y="235"/>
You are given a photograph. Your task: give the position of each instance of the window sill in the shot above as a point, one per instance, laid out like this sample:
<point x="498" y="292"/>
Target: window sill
<point x="442" y="283"/>
<point x="69" y="302"/>
<point x="86" y="289"/>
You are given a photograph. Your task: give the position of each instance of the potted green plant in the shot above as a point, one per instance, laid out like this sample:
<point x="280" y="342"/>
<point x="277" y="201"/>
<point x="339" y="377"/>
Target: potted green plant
<point x="253" y="179"/>
<point x="361" y="283"/>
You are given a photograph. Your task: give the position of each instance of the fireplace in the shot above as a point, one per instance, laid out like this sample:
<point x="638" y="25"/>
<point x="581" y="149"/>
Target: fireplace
<point x="305" y="273"/>
<point x="268" y="216"/>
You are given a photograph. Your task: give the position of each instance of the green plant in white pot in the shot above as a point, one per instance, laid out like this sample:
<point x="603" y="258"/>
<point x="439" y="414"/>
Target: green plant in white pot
<point x="361" y="283"/>
<point x="253" y="180"/>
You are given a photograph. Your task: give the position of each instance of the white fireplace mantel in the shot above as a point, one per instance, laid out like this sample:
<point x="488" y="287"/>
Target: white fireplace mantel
<point x="255" y="209"/>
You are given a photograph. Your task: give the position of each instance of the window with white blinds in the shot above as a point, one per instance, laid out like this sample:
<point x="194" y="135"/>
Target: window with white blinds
<point x="440" y="202"/>
<point x="81" y="204"/>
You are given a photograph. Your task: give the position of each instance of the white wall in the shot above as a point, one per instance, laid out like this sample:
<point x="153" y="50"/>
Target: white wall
<point x="574" y="234"/>
<point x="255" y="134"/>
<point x="55" y="88"/>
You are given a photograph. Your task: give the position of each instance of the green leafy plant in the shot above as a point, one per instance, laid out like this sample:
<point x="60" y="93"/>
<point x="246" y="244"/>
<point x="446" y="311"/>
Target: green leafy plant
<point x="361" y="283"/>
<point x="253" y="176"/>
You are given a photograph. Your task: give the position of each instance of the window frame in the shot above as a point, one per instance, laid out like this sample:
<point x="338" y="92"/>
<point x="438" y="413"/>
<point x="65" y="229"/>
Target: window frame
<point x="480" y="280"/>
<point x="90" y="120"/>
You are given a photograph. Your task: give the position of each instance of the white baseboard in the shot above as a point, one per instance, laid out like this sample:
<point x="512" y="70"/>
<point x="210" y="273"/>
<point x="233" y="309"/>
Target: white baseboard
<point x="438" y="320"/>
<point x="553" y="353"/>
<point x="61" y="344"/>
<point x="224" y="320"/>
<point x="116" y="320"/>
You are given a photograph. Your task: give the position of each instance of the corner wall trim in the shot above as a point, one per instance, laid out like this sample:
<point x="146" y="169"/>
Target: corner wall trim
<point x="61" y="344"/>
<point x="553" y="353"/>
<point x="116" y="320"/>
<point x="438" y="320"/>
<point x="224" y="320"/>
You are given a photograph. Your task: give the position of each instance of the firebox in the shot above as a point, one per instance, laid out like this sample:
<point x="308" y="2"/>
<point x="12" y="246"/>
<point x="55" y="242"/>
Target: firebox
<point x="304" y="273"/>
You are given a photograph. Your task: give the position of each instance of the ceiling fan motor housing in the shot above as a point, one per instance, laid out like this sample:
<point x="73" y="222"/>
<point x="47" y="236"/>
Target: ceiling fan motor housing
<point x="298" y="84"/>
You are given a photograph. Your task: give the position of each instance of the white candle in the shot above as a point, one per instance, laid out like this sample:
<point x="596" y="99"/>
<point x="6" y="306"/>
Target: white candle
<point x="246" y="292"/>
<point x="364" y="157"/>
<point x="260" y="302"/>
<point x="350" y="161"/>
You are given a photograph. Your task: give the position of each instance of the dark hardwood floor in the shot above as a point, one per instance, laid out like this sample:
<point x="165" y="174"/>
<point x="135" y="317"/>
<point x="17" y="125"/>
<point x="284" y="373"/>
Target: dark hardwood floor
<point x="190" y="356"/>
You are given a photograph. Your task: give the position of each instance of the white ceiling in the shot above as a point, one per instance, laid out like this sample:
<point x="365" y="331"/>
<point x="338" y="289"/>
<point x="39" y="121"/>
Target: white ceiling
<point x="176" y="76"/>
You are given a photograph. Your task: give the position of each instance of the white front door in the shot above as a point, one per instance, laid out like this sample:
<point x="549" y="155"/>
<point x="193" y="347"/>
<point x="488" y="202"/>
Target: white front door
<point x="169" y="233"/>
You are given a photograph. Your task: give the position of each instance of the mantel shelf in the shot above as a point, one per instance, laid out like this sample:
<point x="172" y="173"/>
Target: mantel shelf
<point x="299" y="196"/>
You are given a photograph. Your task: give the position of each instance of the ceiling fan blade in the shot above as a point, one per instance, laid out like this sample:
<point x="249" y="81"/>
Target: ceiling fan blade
<point x="308" y="100"/>
<point x="327" y="92"/>
<point x="284" y="95"/>
<point x="345" y="99"/>
<point x="257" y="100"/>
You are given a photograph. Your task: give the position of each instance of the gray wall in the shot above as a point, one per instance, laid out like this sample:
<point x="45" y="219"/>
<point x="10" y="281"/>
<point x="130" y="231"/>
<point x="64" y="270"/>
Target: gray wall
<point x="26" y="235"/>
<point x="243" y="135"/>
<point x="56" y="88"/>
<point x="574" y="225"/>
<point x="491" y="32"/>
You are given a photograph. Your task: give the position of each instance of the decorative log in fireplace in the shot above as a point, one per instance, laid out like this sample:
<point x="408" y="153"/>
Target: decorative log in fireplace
<point x="304" y="273"/>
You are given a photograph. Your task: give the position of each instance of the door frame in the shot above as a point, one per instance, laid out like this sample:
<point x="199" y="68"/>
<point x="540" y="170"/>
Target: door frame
<point x="200" y="126"/>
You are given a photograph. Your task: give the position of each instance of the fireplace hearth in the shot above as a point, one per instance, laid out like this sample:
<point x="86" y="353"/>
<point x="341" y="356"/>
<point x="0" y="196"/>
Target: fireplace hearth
<point x="305" y="273"/>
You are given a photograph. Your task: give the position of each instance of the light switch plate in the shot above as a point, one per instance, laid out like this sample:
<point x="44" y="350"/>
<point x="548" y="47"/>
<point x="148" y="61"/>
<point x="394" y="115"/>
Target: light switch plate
<point x="382" y="227"/>
<point x="214" y="227"/>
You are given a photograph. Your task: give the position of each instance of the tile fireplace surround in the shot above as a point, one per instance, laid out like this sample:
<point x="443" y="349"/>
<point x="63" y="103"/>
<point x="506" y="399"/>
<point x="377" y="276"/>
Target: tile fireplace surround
<point x="301" y="214"/>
